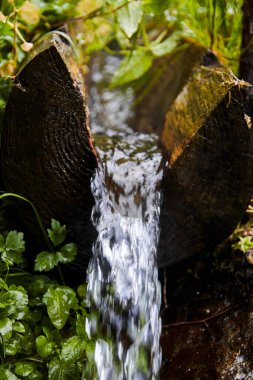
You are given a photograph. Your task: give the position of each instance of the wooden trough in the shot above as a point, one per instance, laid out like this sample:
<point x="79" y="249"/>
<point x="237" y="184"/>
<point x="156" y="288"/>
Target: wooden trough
<point x="48" y="154"/>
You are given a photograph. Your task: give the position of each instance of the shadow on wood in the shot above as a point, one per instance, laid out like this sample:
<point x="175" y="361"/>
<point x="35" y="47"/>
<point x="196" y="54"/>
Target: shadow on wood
<point x="48" y="154"/>
<point x="47" y="149"/>
<point x="209" y="180"/>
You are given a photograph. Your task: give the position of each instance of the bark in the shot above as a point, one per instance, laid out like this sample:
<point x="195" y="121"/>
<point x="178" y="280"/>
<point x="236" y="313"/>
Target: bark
<point x="209" y="180"/>
<point x="47" y="150"/>
<point x="246" y="60"/>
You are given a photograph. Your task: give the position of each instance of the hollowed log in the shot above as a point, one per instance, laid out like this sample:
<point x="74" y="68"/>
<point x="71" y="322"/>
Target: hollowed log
<point x="47" y="149"/>
<point x="209" y="180"/>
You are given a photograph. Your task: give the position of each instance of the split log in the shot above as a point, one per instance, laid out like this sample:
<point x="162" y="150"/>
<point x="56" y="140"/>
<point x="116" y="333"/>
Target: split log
<point x="48" y="154"/>
<point x="47" y="149"/>
<point x="162" y="83"/>
<point x="246" y="65"/>
<point x="209" y="180"/>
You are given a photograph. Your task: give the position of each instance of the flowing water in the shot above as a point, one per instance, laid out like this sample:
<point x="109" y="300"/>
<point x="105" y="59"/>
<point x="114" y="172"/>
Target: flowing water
<point x="123" y="286"/>
<point x="123" y="276"/>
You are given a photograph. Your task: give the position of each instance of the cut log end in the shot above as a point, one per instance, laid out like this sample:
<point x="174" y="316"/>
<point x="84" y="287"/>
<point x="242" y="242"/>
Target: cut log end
<point x="47" y="149"/>
<point x="210" y="178"/>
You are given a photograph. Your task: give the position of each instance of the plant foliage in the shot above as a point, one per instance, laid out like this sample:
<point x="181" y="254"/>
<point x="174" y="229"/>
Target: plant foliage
<point x="41" y="321"/>
<point x="140" y="30"/>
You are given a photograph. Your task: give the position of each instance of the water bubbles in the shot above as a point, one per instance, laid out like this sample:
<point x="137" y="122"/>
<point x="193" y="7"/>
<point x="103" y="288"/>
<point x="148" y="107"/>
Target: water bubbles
<point x="122" y="275"/>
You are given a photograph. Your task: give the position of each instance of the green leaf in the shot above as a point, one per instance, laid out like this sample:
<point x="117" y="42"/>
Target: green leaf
<point x="12" y="346"/>
<point x="57" y="304"/>
<point x="44" y="347"/>
<point x="80" y="327"/>
<point x="72" y="349"/>
<point x="18" y="327"/>
<point x="82" y="291"/>
<point x="24" y="369"/>
<point x="53" y="335"/>
<point x="129" y="18"/>
<point x="67" y="253"/>
<point x="6" y="374"/>
<point x="70" y="296"/>
<point x="165" y="47"/>
<point x="5" y="328"/>
<point x="12" y="248"/>
<point x="57" y="233"/>
<point x="154" y="6"/>
<point x="132" y="67"/>
<point x="15" y="301"/>
<point x="60" y="371"/>
<point x="35" y="375"/>
<point x="2" y="241"/>
<point x="45" y="261"/>
<point x="15" y="241"/>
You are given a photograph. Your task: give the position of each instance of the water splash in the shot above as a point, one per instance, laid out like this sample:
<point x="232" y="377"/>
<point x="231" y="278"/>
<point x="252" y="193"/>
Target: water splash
<point x="123" y="284"/>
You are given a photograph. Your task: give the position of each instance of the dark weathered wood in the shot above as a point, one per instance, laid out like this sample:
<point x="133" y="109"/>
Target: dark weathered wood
<point x="162" y="83"/>
<point x="209" y="180"/>
<point x="246" y="60"/>
<point x="47" y="150"/>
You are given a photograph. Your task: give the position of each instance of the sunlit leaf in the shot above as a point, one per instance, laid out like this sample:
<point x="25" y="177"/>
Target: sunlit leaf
<point x="16" y="301"/>
<point x="80" y="327"/>
<point x="12" y="346"/>
<point x="29" y="13"/>
<point x="155" y="6"/>
<point x="129" y="18"/>
<point x="165" y="47"/>
<point x="24" y="369"/>
<point x="72" y="349"/>
<point x="45" y="261"/>
<point x="60" y="371"/>
<point x="5" y="328"/>
<point x="132" y="67"/>
<point x="6" y="374"/>
<point x="67" y="253"/>
<point x="57" y="233"/>
<point x="57" y="304"/>
<point x="12" y="248"/>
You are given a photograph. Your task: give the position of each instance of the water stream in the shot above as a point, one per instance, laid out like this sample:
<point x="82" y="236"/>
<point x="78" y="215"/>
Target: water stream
<point x="123" y="281"/>
<point x="123" y="286"/>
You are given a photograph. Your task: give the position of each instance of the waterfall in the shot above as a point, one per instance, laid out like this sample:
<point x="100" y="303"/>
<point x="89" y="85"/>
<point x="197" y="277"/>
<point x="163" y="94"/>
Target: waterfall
<point x="123" y="286"/>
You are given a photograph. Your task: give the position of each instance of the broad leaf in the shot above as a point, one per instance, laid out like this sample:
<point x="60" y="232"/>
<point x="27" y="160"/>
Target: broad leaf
<point x="57" y="233"/>
<point x="12" y="248"/>
<point x="6" y="374"/>
<point x="72" y="349"/>
<point x="57" y="306"/>
<point x="12" y="346"/>
<point x="80" y="327"/>
<point x="156" y="7"/>
<point x="15" y="301"/>
<point x="129" y="18"/>
<point x="15" y="242"/>
<point x="164" y="47"/>
<point x="44" y="347"/>
<point x="24" y="369"/>
<point x="70" y="296"/>
<point x="60" y="371"/>
<point x="45" y="261"/>
<point x="5" y="328"/>
<point x="132" y="67"/>
<point x="18" y="327"/>
<point x="67" y="253"/>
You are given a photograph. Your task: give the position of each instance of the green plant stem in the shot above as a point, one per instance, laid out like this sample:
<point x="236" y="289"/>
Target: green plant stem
<point x="97" y="13"/>
<point x="40" y="223"/>
<point x="5" y="279"/>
